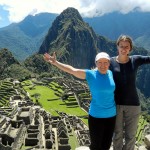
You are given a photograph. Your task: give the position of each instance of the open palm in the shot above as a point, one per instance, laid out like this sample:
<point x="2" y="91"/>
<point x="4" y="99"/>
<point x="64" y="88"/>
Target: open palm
<point x="49" y="58"/>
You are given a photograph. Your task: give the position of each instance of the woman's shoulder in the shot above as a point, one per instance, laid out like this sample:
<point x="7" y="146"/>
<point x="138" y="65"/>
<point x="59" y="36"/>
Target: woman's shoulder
<point x="113" y="58"/>
<point x="109" y="72"/>
<point x="92" y="71"/>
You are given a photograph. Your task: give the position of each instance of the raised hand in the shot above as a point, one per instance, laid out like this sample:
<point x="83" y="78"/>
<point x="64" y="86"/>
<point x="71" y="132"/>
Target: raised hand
<point x="49" y="58"/>
<point x="79" y="73"/>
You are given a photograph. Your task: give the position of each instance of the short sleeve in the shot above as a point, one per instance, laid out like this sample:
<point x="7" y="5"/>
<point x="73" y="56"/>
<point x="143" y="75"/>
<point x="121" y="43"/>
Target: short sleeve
<point x="88" y="74"/>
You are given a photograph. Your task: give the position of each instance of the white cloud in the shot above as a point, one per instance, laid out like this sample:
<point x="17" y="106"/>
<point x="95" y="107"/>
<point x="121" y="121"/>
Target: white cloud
<point x="18" y="9"/>
<point x="99" y="7"/>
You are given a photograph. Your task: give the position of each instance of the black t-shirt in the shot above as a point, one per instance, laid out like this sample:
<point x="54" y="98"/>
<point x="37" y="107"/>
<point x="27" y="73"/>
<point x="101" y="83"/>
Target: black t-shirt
<point x="125" y="77"/>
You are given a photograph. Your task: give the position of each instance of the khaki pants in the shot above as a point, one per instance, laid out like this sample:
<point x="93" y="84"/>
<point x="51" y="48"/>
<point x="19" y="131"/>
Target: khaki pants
<point x="126" y="126"/>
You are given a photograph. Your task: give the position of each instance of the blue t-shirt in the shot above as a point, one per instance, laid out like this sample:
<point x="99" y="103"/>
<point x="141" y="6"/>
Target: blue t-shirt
<point x="102" y="88"/>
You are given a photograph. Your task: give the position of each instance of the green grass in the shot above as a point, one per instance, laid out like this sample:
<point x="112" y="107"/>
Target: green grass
<point x="51" y="102"/>
<point x="141" y="125"/>
<point x="73" y="141"/>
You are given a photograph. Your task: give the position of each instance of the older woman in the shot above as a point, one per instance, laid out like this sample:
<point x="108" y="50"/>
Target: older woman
<point x="102" y="112"/>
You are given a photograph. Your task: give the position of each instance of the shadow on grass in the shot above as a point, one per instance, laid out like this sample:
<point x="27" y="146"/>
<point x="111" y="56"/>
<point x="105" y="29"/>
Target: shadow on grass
<point x="84" y="116"/>
<point x="72" y="106"/>
<point x="69" y="104"/>
<point x="72" y="103"/>
<point x="72" y="99"/>
<point x="53" y="99"/>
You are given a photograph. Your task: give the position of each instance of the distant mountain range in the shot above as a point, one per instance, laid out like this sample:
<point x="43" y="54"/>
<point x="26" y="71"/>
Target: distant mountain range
<point x="25" y="38"/>
<point x="136" y="24"/>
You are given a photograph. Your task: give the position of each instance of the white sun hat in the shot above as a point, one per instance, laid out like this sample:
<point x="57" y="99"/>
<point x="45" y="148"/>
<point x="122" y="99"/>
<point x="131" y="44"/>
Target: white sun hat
<point x="102" y="55"/>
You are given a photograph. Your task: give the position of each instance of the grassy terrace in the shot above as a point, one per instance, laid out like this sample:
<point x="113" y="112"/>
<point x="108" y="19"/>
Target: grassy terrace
<point x="6" y="91"/>
<point x="51" y="102"/>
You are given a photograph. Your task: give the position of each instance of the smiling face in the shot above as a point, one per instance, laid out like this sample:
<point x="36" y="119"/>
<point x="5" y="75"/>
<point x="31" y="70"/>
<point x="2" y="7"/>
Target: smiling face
<point x="124" y="48"/>
<point x="102" y="65"/>
<point x="124" y="45"/>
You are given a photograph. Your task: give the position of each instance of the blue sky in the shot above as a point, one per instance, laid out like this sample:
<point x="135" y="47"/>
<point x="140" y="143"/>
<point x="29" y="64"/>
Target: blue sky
<point x="13" y="11"/>
<point x="4" y="20"/>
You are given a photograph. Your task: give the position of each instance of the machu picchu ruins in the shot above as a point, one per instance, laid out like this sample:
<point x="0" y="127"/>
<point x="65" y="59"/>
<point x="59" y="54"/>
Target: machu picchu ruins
<point x="26" y="125"/>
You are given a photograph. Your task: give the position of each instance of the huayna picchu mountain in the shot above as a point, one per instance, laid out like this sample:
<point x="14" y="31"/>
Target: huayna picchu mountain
<point x="73" y="40"/>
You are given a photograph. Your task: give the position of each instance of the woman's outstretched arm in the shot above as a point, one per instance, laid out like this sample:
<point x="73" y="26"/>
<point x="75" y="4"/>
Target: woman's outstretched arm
<point x="79" y="73"/>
